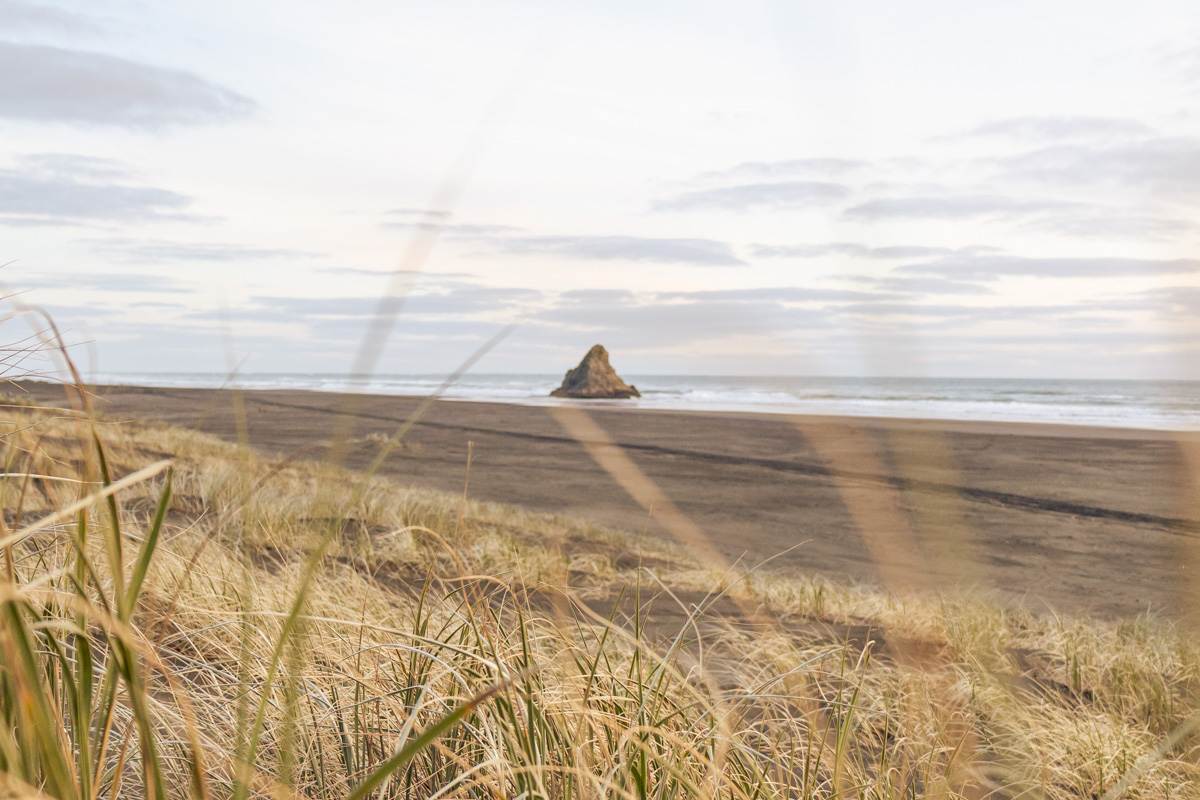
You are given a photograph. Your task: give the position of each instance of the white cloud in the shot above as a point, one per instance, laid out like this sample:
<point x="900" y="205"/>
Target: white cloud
<point x="698" y="252"/>
<point x="59" y="85"/>
<point x="987" y="267"/>
<point x="55" y="190"/>
<point x="1061" y="128"/>
<point x="748" y="196"/>
<point x="20" y="16"/>
<point x="956" y="207"/>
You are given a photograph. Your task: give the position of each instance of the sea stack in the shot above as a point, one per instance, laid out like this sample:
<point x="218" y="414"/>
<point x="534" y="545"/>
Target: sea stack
<point x="595" y="379"/>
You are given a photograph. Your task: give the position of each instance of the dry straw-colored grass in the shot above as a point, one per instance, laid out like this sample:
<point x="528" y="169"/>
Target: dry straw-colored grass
<point x="282" y="629"/>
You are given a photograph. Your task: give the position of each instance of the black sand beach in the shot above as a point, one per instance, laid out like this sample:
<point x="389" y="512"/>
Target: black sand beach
<point x="1086" y="520"/>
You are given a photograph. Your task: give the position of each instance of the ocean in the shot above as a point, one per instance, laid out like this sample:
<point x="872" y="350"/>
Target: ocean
<point x="1170" y="405"/>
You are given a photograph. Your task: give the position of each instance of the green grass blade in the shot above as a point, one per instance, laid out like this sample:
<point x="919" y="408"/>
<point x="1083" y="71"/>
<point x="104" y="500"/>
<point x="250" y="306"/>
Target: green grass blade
<point x="116" y="554"/>
<point x="138" y="577"/>
<point x="426" y="738"/>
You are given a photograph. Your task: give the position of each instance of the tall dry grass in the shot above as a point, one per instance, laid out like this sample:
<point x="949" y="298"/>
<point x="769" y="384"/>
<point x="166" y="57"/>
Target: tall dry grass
<point x="179" y="617"/>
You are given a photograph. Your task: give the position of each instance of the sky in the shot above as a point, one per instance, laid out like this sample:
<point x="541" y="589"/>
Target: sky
<point x="787" y="188"/>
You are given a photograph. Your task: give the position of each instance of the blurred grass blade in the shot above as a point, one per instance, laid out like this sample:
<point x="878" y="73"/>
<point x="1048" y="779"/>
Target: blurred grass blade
<point x="70" y="510"/>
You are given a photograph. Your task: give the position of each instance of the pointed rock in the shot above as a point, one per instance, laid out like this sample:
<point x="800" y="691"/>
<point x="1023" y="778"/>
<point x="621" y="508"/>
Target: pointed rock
<point x="595" y="378"/>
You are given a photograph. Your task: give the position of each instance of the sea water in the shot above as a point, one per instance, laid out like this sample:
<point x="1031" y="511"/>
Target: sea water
<point x="1173" y="405"/>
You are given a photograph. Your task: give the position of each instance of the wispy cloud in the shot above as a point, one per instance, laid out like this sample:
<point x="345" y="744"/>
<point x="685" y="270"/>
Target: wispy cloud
<point x="104" y="282"/>
<point x="954" y="207"/>
<point x="427" y="213"/>
<point x="655" y="323"/>
<point x="922" y="285"/>
<point x="747" y="196"/>
<point x="699" y="252"/>
<point x="440" y="221"/>
<point x="986" y="267"/>
<point x="151" y="250"/>
<point x="513" y="240"/>
<point x="1176" y="301"/>
<point x="778" y="294"/>
<point x="852" y="249"/>
<point x="1060" y="128"/>
<point x="1182" y="60"/>
<point x="1113" y="224"/>
<point x="788" y="168"/>
<point x="602" y="296"/>
<point x="451" y="230"/>
<point x="1161" y="164"/>
<point x="20" y="16"/>
<point x="973" y="313"/>
<point x="462" y="300"/>
<point x="384" y="272"/>
<point x="74" y="165"/>
<point x="47" y="191"/>
<point x="81" y="87"/>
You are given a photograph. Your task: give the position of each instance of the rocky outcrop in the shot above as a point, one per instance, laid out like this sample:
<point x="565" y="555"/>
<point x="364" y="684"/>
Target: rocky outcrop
<point x="595" y="379"/>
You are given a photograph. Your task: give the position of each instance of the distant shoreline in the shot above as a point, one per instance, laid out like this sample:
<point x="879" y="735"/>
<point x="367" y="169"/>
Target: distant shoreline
<point x="1172" y="406"/>
<point x="998" y="426"/>
<point x="995" y="426"/>
<point x="991" y="426"/>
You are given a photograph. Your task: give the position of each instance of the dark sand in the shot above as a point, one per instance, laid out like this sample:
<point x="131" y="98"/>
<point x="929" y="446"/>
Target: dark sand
<point x="1077" y="519"/>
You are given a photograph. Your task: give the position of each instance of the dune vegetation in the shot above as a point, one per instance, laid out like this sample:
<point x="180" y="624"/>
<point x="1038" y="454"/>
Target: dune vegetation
<point x="183" y="617"/>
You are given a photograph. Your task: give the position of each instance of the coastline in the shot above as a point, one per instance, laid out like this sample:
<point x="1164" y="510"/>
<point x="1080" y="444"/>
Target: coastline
<point x="994" y="426"/>
<point x="1085" y="519"/>
<point x="1140" y="404"/>
<point x="896" y="422"/>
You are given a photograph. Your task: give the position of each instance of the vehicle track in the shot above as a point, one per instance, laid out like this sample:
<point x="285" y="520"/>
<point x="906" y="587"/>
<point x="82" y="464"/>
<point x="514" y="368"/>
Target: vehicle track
<point x="1175" y="525"/>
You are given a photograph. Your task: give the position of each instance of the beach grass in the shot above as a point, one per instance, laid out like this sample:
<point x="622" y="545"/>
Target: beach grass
<point x="180" y="616"/>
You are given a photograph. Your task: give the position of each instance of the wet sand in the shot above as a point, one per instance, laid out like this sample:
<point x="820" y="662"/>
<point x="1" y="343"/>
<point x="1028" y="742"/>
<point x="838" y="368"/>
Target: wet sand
<point x="1076" y="519"/>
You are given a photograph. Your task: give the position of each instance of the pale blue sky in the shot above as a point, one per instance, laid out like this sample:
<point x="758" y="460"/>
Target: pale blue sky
<point x="870" y="188"/>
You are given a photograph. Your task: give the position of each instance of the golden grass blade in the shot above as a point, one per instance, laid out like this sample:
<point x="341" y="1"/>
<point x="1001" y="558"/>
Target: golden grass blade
<point x="1146" y="762"/>
<point x="39" y="476"/>
<point x="639" y="486"/>
<point x="876" y="509"/>
<point x="428" y="401"/>
<point x="132" y="479"/>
